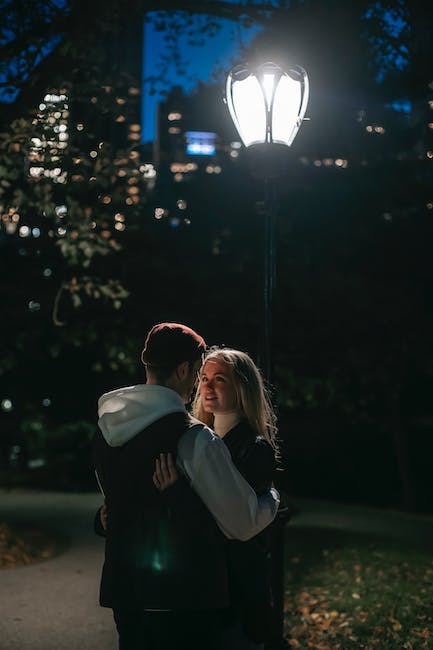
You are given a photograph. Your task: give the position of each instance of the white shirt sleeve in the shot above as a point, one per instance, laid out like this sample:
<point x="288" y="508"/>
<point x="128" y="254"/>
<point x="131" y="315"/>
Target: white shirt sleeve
<point x="238" y="511"/>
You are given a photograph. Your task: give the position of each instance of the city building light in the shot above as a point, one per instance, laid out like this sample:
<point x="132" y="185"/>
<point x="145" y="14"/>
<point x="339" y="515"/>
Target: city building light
<point x="200" y="143"/>
<point x="148" y="170"/>
<point x="183" y="168"/>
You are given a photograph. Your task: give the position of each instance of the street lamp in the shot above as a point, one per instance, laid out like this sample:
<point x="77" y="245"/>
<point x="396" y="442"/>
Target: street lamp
<point x="267" y="106"/>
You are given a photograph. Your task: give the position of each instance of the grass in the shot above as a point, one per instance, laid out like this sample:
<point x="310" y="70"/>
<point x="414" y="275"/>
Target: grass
<point x="349" y="591"/>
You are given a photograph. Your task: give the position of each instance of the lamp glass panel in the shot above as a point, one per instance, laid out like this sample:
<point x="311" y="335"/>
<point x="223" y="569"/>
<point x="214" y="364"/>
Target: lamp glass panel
<point x="249" y="110"/>
<point x="268" y="87"/>
<point x="286" y="108"/>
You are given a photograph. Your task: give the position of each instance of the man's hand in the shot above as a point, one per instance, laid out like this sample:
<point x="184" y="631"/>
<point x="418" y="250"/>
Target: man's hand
<point x="165" y="472"/>
<point x="103" y="515"/>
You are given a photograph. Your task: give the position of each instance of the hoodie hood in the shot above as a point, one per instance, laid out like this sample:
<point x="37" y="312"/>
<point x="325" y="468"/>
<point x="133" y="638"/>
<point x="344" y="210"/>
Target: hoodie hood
<point x="126" y="411"/>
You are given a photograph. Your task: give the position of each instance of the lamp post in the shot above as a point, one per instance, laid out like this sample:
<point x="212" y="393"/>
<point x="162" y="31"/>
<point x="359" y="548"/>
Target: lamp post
<point x="267" y="106"/>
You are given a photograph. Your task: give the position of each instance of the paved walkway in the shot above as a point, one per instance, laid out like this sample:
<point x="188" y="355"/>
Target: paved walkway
<point x="53" y="605"/>
<point x="390" y="524"/>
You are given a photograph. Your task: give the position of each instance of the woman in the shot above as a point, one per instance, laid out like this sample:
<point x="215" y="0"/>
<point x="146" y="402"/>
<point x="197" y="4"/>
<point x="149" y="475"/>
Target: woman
<point x="233" y="401"/>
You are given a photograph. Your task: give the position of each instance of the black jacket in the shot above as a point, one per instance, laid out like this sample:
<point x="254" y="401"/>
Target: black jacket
<point x="158" y="555"/>
<point x="249" y="562"/>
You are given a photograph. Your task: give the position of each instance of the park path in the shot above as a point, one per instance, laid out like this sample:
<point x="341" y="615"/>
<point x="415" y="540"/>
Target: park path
<point x="414" y="529"/>
<point x="53" y="605"/>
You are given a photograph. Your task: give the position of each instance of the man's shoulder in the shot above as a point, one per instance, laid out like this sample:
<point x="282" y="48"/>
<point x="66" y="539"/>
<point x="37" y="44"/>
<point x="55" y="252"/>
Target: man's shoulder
<point x="195" y="428"/>
<point x="196" y="438"/>
<point x="194" y="423"/>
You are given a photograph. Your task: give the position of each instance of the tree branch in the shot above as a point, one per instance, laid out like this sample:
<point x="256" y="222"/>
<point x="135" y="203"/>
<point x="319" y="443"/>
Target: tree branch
<point x="106" y="15"/>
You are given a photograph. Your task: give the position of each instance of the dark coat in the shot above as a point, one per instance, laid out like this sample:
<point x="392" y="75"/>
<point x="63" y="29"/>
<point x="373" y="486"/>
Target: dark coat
<point x="156" y="556"/>
<point x="249" y="562"/>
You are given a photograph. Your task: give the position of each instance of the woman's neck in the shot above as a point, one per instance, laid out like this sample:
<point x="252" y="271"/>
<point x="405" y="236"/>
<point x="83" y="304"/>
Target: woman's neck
<point x="223" y="422"/>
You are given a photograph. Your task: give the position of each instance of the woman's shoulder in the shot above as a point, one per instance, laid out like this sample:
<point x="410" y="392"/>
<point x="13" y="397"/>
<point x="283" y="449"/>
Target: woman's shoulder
<point x="262" y="443"/>
<point x="258" y="463"/>
<point x="263" y="448"/>
<point x="247" y="446"/>
<point x="258" y="449"/>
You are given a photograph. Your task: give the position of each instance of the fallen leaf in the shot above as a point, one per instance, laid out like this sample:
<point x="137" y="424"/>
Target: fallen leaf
<point x="303" y="595"/>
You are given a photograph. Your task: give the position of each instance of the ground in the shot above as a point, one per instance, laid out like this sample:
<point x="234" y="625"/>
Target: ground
<point x="25" y="544"/>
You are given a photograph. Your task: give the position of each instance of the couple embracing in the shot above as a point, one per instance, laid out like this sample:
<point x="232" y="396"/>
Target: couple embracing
<point x="188" y="498"/>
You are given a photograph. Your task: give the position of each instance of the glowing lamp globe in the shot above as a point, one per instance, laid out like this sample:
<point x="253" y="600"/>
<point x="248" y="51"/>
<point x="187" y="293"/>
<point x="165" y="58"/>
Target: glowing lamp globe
<point x="267" y="104"/>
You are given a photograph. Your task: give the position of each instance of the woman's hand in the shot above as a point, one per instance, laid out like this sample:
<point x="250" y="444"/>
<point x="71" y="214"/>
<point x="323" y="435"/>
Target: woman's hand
<point x="165" y="472"/>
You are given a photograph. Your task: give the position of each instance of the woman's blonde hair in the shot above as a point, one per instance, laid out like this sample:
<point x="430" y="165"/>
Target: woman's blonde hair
<point x="251" y="394"/>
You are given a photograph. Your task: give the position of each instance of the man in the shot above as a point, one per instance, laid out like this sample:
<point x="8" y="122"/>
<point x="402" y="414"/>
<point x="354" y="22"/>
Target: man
<point x="165" y="574"/>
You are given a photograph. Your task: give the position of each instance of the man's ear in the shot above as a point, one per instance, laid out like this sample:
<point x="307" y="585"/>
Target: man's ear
<point x="182" y="370"/>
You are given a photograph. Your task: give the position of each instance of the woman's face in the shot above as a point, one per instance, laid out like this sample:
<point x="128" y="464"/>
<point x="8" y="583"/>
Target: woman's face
<point x="217" y="391"/>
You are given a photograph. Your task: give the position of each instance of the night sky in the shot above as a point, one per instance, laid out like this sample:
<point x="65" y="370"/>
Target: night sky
<point x="203" y="61"/>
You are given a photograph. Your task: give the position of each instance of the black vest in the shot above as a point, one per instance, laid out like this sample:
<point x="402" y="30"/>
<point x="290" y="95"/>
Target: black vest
<point x="162" y="550"/>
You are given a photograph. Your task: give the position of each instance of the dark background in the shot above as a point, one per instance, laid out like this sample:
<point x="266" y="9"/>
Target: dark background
<point x="352" y="343"/>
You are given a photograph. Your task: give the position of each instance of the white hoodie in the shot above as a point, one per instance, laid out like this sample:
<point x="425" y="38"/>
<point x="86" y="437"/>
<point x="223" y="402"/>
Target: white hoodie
<point x="202" y="457"/>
